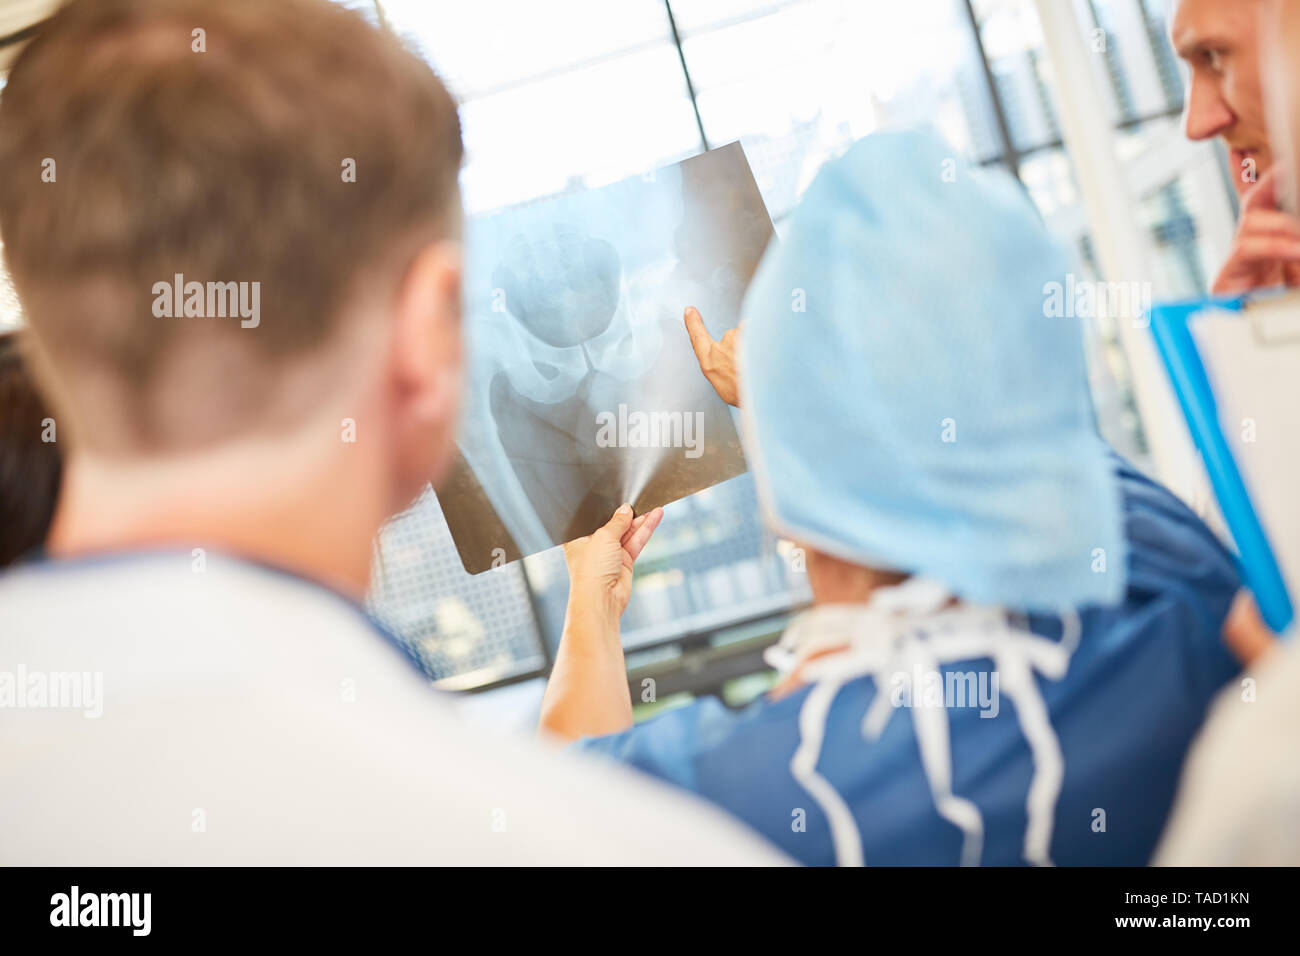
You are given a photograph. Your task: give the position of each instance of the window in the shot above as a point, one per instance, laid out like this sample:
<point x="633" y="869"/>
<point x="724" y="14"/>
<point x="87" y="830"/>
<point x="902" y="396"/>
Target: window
<point x="579" y="93"/>
<point x="572" y="94"/>
<point x="1185" y="199"/>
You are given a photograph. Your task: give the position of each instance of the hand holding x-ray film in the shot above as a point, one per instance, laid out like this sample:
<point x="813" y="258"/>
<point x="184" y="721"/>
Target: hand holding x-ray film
<point x="584" y="391"/>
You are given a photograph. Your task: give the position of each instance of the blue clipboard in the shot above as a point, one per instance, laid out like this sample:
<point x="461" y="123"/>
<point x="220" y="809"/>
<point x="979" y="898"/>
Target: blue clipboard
<point x="1182" y="359"/>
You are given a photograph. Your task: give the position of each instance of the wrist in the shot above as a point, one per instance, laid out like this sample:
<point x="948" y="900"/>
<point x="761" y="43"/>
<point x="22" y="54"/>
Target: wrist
<point x="592" y="616"/>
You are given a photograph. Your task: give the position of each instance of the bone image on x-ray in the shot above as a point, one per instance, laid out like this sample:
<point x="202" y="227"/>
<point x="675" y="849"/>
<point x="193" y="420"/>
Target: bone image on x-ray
<point x="584" y="390"/>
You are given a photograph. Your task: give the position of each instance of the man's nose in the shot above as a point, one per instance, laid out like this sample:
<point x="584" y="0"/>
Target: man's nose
<point x="1207" y="113"/>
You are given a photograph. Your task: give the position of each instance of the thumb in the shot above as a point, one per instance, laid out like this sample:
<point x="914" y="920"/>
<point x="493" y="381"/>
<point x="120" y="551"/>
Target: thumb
<point x="617" y="526"/>
<point x="701" y="341"/>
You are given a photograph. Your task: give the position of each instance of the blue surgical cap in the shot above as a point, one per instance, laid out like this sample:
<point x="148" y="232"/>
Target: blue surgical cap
<point x="909" y="403"/>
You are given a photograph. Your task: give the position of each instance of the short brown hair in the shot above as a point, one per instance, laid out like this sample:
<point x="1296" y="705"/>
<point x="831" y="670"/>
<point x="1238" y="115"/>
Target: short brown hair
<point x="211" y="140"/>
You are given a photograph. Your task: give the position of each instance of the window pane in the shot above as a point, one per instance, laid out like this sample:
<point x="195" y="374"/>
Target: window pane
<point x="694" y="16"/>
<point x="1013" y="43"/>
<point x="583" y="128"/>
<point x="483" y="46"/>
<point x="477" y="628"/>
<point x="798" y="82"/>
<point x="1049" y="178"/>
<point x="1138" y="57"/>
<point x="555" y="96"/>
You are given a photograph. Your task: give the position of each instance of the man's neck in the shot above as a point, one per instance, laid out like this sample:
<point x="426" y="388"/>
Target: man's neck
<point x="316" y="519"/>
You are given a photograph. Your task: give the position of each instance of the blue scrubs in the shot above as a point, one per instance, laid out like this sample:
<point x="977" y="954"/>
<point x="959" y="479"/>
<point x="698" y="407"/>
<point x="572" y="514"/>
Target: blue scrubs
<point x="1135" y="692"/>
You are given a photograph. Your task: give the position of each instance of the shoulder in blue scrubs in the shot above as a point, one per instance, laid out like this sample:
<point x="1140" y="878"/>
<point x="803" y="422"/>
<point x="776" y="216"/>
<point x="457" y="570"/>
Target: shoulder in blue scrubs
<point x="1125" y="712"/>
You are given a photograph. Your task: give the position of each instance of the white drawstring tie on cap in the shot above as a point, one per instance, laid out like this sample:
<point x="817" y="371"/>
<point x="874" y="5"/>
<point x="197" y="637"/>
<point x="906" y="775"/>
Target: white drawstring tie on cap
<point x="914" y="628"/>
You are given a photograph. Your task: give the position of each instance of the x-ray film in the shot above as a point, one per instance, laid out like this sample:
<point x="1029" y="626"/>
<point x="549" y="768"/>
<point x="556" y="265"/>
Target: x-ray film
<point x="584" y="391"/>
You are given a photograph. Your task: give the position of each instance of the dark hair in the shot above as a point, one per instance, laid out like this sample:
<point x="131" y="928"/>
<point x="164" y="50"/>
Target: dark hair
<point x="30" y="466"/>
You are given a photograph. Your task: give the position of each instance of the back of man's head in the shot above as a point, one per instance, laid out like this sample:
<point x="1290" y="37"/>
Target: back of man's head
<point x="193" y="197"/>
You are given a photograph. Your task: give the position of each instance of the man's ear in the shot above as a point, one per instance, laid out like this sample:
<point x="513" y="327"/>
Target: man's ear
<point x="427" y="358"/>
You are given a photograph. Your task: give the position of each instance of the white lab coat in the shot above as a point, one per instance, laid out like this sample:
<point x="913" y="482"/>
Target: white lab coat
<point x="249" y="717"/>
<point x="1239" y="802"/>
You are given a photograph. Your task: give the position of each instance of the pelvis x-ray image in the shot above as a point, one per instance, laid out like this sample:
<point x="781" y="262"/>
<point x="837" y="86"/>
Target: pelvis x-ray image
<point x="584" y="390"/>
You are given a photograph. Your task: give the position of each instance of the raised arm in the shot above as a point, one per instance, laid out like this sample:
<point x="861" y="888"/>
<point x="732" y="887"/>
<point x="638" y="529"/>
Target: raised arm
<point x="587" y="694"/>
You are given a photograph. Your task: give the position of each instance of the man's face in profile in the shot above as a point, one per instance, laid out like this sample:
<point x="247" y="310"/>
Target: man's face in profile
<point x="1219" y="42"/>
